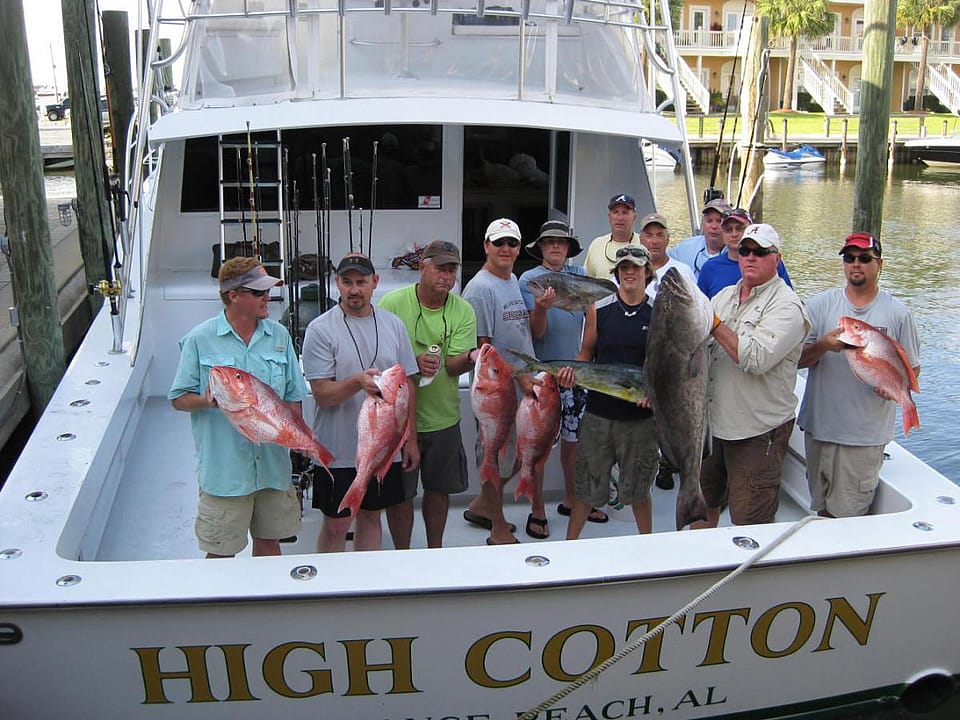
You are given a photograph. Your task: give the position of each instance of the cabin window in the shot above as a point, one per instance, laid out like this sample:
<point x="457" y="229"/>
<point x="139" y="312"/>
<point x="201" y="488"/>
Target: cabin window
<point x="409" y="168"/>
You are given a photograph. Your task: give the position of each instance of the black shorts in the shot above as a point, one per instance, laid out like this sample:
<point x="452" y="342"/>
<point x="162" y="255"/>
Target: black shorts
<point x="327" y="494"/>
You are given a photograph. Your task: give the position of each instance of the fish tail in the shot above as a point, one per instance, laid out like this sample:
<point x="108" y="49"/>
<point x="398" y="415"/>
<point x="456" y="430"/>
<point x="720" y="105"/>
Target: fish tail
<point x="323" y="456"/>
<point x="489" y="472"/>
<point x="911" y="418"/>
<point x="691" y="506"/>
<point x="353" y="498"/>
<point x="524" y="486"/>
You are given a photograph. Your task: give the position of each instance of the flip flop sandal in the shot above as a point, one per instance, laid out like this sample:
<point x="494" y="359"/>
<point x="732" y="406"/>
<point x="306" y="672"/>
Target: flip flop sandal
<point x="481" y="521"/>
<point x="535" y="522"/>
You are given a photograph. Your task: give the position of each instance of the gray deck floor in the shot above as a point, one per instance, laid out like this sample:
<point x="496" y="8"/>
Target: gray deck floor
<point x="153" y="512"/>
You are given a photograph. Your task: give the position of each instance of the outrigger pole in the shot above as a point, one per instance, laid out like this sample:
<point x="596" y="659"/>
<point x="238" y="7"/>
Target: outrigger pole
<point x="253" y="200"/>
<point x="348" y="189"/>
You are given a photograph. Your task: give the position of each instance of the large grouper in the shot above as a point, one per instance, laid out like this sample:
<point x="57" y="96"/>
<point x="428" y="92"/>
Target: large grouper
<point x="675" y="377"/>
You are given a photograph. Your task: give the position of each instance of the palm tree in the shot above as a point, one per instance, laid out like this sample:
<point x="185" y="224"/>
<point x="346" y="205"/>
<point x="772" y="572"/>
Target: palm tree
<point x="919" y="16"/>
<point x="795" y="19"/>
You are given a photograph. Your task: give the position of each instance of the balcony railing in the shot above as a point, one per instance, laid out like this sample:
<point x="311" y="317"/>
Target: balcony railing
<point x="726" y="41"/>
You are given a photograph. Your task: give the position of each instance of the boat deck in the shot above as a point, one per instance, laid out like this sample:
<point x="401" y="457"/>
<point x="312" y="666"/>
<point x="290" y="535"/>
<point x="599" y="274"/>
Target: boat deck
<point x="153" y="511"/>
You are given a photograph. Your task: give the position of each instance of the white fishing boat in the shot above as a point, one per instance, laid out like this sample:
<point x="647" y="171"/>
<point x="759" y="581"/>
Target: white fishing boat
<point x="658" y="158"/>
<point x="939" y="152"/>
<point x="107" y="609"/>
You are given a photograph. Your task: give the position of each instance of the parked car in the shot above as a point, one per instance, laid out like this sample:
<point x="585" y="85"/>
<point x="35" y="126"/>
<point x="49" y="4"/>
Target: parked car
<point x="58" y="111"/>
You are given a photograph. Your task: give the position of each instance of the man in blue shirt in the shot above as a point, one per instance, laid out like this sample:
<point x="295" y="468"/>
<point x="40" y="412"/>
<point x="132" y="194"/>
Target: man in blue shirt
<point x="243" y="486"/>
<point x="696" y="250"/>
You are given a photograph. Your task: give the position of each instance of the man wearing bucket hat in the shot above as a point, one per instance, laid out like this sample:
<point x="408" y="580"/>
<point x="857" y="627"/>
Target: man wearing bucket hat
<point x="615" y="431"/>
<point x="846" y="423"/>
<point x="243" y="487"/>
<point x="602" y="253"/>
<point x="556" y="336"/>
<point x="758" y="332"/>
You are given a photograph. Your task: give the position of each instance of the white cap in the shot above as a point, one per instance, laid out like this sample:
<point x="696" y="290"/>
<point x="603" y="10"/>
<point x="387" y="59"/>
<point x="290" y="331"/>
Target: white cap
<point x="504" y="227"/>
<point x="762" y="234"/>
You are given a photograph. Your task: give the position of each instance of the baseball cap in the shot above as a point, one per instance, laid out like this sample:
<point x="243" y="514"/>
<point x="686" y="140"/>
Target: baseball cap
<point x="441" y="252"/>
<point x="652" y="218"/>
<point x="503" y="227"/>
<point x="256" y="278"/>
<point x="864" y="241"/>
<point x="622" y="199"/>
<point x="554" y="229"/>
<point x="355" y="261"/>
<point x="717" y="205"/>
<point x="763" y="235"/>
<point x="635" y="254"/>
<point x="740" y="215"/>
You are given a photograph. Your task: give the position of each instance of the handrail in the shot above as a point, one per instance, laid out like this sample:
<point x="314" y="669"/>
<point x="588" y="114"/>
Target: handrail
<point x="692" y="84"/>
<point x="945" y="84"/>
<point x="840" y="91"/>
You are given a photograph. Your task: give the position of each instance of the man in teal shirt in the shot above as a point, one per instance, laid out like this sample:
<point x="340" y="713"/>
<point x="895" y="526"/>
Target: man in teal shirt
<point x="243" y="486"/>
<point x="434" y="316"/>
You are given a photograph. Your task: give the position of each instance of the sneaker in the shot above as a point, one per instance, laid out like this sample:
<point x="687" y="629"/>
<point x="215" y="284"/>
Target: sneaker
<point x="664" y="478"/>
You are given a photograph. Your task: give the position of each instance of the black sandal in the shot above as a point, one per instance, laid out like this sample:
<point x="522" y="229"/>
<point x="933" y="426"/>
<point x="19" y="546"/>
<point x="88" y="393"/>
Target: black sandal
<point x="537" y="522"/>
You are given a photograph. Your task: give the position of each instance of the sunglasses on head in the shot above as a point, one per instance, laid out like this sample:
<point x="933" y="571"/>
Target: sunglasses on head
<point x="759" y="252"/>
<point x="255" y="293"/>
<point x="864" y="259"/>
<point x="499" y="242"/>
<point x="631" y="251"/>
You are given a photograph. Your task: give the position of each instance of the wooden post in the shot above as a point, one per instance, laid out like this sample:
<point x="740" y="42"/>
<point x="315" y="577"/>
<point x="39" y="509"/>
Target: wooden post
<point x="893" y="144"/>
<point x="944" y="130"/>
<point x="879" y="23"/>
<point x="826" y="126"/>
<point x="783" y="136"/>
<point x="79" y="40"/>
<point x="922" y="131"/>
<point x="755" y="102"/>
<point x="25" y="213"/>
<point x="118" y="74"/>
<point x="844" y="126"/>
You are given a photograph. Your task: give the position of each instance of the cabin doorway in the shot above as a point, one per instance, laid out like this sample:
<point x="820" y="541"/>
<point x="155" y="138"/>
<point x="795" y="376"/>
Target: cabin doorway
<point x="506" y="173"/>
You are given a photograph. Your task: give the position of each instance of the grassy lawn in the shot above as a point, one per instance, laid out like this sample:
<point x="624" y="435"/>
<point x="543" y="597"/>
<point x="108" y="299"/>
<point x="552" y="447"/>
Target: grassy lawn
<point x="803" y="124"/>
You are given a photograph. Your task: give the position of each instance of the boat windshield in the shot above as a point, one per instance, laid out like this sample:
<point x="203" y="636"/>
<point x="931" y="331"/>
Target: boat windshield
<point x="448" y="48"/>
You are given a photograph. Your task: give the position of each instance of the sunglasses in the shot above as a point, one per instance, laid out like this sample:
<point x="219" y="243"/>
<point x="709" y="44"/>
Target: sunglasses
<point x="255" y="293"/>
<point x="759" y="252"/>
<point x="499" y="242"/>
<point x="632" y="252"/>
<point x="865" y="259"/>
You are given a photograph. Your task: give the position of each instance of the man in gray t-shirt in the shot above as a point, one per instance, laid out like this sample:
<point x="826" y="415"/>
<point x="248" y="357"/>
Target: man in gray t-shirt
<point x="847" y="423"/>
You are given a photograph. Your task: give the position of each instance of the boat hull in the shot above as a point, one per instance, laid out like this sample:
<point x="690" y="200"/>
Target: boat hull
<point x="936" y="152"/>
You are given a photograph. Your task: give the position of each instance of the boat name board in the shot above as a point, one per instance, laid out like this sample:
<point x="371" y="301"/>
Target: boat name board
<point x="348" y="669"/>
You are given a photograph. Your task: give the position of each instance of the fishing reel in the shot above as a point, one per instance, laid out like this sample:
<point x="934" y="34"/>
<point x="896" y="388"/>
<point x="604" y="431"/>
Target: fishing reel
<point x="107" y="288"/>
<point x="712" y="193"/>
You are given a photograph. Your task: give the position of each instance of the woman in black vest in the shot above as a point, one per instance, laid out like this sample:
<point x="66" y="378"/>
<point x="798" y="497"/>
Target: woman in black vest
<point x="615" y="431"/>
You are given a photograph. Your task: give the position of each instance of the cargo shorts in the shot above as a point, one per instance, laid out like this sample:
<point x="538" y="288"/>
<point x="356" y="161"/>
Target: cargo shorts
<point x="223" y="522"/>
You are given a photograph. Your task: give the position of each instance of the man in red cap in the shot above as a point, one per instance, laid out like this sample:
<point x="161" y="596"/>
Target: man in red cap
<point x="846" y="423"/>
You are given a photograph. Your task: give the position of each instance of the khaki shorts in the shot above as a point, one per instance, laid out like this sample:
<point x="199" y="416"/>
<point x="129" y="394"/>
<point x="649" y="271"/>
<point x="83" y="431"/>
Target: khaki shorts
<point x="223" y="522"/>
<point x="443" y="464"/>
<point x="603" y="443"/>
<point x="843" y="478"/>
<point x="746" y="475"/>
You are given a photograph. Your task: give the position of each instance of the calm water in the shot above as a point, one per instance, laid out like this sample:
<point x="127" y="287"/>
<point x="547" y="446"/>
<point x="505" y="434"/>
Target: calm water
<point x="813" y="210"/>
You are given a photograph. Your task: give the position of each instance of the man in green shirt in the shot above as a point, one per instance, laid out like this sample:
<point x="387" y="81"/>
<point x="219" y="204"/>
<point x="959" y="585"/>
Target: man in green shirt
<point x="443" y="330"/>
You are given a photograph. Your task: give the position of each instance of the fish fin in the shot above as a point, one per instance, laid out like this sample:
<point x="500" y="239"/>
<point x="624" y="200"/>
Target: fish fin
<point x="911" y="375"/>
<point x="911" y="418"/>
<point x="524" y="487"/>
<point x="322" y="456"/>
<point x="698" y="361"/>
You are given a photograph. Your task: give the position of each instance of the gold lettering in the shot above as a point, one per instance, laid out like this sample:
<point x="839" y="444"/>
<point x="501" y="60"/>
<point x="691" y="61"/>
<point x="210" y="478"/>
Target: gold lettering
<point x="401" y="667"/>
<point x="840" y="609"/>
<point x="718" y="633"/>
<point x="236" y="673"/>
<point x="553" y="650"/>
<point x="196" y="673"/>
<point x="475" y="661"/>
<point x="759" y="636"/>
<point x="273" y="675"/>
<point x="650" y="660"/>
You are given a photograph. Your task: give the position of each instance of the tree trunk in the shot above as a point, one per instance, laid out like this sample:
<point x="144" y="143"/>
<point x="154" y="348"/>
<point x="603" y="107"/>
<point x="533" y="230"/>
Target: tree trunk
<point x="921" y="71"/>
<point x="786" y="102"/>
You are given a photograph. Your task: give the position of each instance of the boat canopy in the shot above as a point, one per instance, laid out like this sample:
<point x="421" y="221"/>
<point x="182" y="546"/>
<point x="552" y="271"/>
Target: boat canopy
<point x="586" y="54"/>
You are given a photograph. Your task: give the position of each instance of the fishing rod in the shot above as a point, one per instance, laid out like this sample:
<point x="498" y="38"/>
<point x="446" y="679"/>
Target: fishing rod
<point x="318" y="224"/>
<point x="348" y="189"/>
<point x="240" y="204"/>
<point x="258" y="189"/>
<point x="324" y="275"/>
<point x="373" y="198"/>
<point x="293" y="255"/>
<point x="253" y="200"/>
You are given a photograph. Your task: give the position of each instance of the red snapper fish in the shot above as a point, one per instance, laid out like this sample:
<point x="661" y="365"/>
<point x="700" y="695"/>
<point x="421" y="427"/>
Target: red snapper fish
<point x="382" y="429"/>
<point x="258" y="413"/>
<point x="881" y="362"/>
<point x="538" y="424"/>
<point x="494" y="402"/>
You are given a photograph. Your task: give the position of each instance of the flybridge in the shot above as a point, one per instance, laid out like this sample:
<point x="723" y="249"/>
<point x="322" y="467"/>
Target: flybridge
<point x="586" y="52"/>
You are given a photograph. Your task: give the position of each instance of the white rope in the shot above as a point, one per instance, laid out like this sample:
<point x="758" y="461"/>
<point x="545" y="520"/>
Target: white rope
<point x="659" y="629"/>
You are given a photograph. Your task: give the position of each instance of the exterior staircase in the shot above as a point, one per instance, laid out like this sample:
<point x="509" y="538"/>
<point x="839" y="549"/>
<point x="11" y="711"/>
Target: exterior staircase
<point x="824" y="85"/>
<point x="943" y="82"/>
<point x="696" y="96"/>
